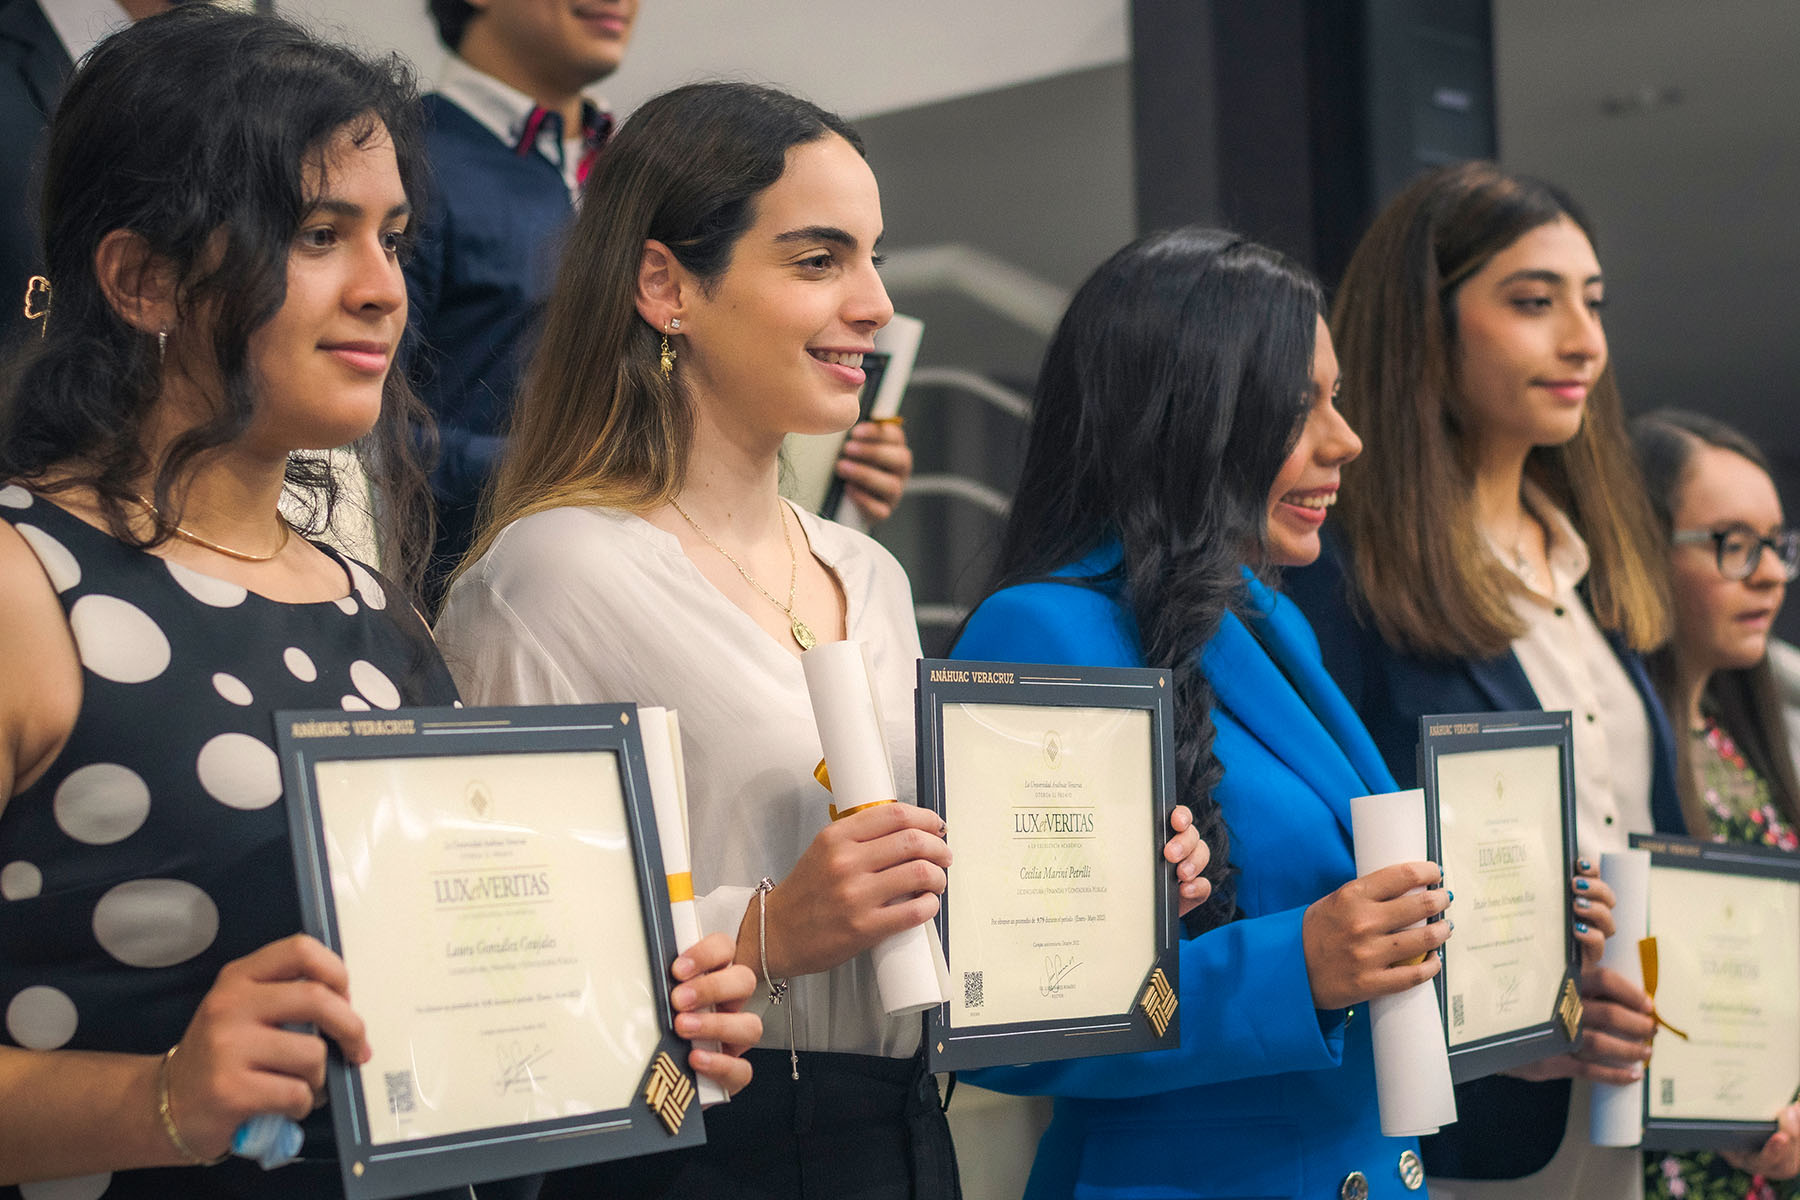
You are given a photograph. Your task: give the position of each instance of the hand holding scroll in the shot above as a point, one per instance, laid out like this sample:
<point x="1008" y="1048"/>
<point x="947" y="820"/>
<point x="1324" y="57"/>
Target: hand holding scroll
<point x="1357" y="942"/>
<point x="865" y="877"/>
<point x="1593" y="903"/>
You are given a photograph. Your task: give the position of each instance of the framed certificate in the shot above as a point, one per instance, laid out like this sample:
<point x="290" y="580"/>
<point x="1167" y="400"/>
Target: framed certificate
<point x="1726" y="921"/>
<point x="1500" y="820"/>
<point x="493" y="881"/>
<point x="1059" y="921"/>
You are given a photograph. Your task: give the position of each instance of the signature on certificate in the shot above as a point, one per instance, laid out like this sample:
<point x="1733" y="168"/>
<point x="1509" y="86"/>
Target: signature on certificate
<point x="1056" y="973"/>
<point x="517" y="1065"/>
<point x="1506" y="992"/>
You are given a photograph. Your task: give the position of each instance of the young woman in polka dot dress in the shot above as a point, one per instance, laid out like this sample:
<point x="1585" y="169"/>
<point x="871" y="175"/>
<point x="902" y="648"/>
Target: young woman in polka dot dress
<point x="225" y="204"/>
<point x="1730" y="560"/>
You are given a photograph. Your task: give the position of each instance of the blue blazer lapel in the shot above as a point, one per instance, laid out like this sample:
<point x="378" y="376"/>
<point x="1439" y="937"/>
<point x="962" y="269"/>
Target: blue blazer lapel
<point x="1250" y="685"/>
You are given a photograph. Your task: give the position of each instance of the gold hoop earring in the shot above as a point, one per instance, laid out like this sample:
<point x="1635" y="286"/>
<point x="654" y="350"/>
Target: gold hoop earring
<point x="667" y="357"/>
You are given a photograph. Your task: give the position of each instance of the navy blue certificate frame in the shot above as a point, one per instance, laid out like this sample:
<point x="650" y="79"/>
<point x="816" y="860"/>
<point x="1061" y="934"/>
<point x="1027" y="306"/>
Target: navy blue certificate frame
<point x="379" y="1170"/>
<point x="1153" y="1020"/>
<point x="1728" y="861"/>
<point x="1555" y="1029"/>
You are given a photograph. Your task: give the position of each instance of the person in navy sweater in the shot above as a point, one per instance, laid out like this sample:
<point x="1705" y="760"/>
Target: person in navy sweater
<point x="511" y="136"/>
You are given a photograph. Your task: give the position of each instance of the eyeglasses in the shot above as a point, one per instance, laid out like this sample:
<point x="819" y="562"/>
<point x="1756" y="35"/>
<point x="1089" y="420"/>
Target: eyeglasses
<point x="1738" y="549"/>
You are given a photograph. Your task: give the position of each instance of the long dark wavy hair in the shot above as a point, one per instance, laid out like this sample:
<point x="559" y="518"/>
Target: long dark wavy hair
<point x="1747" y="700"/>
<point x="1170" y="396"/>
<point x="198" y="130"/>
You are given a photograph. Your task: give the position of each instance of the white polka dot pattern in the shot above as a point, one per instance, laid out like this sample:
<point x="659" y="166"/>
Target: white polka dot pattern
<point x="41" y="1018"/>
<point x="367" y="587"/>
<point x="353" y="704"/>
<point x="220" y="593"/>
<point x="299" y="664"/>
<point x="117" y="640"/>
<point x="378" y="688"/>
<point x="232" y="688"/>
<point x="59" y="564"/>
<point x="155" y="922"/>
<point x="346" y="605"/>
<point x="79" y="1187"/>
<point x="14" y="496"/>
<point x="102" y="803"/>
<point x="240" y="771"/>
<point x="20" y="880"/>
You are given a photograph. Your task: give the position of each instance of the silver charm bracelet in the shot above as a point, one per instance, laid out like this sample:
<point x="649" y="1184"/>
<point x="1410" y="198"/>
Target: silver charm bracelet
<point x="778" y="988"/>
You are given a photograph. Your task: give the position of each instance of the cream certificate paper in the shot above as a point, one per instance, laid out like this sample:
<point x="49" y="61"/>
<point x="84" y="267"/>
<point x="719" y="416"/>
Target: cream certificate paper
<point x="489" y="915"/>
<point x="1052" y="893"/>
<point x="1728" y="961"/>
<point x="1500" y="834"/>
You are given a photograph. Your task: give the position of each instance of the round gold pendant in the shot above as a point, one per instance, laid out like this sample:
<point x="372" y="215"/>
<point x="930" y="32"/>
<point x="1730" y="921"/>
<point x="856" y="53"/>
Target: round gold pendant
<point x="803" y="635"/>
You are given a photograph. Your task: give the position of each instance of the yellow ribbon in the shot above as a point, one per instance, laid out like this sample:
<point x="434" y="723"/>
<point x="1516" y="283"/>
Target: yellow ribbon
<point x="681" y="887"/>
<point x="1647" y="958"/>
<point x="838" y="814"/>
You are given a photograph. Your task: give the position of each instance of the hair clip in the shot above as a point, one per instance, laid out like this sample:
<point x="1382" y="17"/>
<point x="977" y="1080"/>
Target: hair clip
<point x="37" y="302"/>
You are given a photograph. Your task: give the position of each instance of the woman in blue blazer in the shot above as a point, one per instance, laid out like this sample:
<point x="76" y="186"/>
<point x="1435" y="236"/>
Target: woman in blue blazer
<point x="1185" y="426"/>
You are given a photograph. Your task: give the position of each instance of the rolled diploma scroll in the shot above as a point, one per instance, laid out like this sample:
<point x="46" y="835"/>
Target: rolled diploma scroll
<point x="910" y="971"/>
<point x="1412" y="1063"/>
<point x="1616" y="1113"/>
<point x="662" y="754"/>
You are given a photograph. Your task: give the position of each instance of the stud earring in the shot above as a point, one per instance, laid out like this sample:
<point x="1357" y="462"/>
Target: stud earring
<point x="674" y="324"/>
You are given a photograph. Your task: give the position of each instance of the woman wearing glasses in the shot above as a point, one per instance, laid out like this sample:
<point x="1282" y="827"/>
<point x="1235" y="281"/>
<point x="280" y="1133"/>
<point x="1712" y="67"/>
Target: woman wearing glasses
<point x="1730" y="560"/>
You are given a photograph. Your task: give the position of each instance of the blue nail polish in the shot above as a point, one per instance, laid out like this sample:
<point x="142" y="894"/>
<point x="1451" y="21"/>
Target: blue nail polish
<point x="1583" y="865"/>
<point x="1580" y="927"/>
<point x="1581" y="885"/>
<point x="1451" y="896"/>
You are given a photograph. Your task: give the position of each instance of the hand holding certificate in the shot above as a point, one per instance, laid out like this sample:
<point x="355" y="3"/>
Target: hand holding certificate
<point x="457" y="860"/>
<point x="1059" y="914"/>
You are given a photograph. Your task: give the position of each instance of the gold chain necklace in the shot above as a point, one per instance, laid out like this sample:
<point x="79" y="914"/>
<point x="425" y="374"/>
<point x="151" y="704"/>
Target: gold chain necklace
<point x="802" y="634"/>
<point x="241" y="555"/>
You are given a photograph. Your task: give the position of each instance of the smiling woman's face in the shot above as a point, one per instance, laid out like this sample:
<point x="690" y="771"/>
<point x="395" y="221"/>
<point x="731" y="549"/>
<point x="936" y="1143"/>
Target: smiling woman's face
<point x="1306" y="486"/>
<point x="1529" y="343"/>
<point x="775" y="345"/>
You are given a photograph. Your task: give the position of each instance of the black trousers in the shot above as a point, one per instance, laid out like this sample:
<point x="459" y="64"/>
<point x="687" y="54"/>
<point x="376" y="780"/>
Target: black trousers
<point x="854" y="1127"/>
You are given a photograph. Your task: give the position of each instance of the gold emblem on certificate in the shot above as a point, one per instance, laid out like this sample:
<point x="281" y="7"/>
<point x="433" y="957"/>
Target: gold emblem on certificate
<point x="668" y="1092"/>
<point x="1159" y="1001"/>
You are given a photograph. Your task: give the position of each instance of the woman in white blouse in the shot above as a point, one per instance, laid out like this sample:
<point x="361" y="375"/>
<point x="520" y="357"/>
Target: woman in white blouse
<point x="718" y="293"/>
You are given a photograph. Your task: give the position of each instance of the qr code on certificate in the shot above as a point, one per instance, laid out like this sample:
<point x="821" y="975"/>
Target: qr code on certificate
<point x="1668" y="1091"/>
<point x="1456" y="1010"/>
<point x="972" y="997"/>
<point x="399" y="1091"/>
